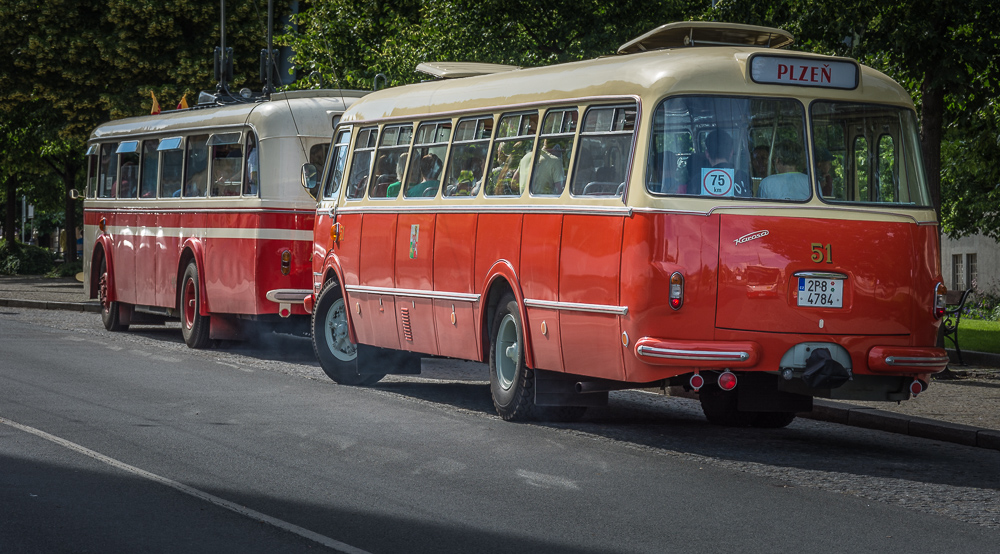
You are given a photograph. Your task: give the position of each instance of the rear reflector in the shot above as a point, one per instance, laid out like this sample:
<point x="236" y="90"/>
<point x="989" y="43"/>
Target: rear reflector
<point x="696" y="381"/>
<point x="727" y="380"/>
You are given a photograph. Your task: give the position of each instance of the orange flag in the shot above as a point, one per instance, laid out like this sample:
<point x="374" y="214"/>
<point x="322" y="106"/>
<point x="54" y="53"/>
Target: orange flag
<point x="156" y="105"/>
<point x="183" y="103"/>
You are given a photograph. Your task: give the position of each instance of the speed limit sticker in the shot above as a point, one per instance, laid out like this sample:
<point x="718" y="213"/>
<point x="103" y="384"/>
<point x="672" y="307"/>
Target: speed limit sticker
<point x="717" y="181"/>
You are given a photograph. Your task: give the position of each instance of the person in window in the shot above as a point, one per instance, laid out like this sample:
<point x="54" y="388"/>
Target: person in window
<point x="430" y="168"/>
<point x="758" y="161"/>
<point x="127" y="180"/>
<point x="788" y="181"/>
<point x="393" y="190"/>
<point x="718" y="154"/>
<point x="549" y="176"/>
<point x="824" y="163"/>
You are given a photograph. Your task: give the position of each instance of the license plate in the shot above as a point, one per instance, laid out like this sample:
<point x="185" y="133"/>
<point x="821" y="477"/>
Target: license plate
<point x="821" y="293"/>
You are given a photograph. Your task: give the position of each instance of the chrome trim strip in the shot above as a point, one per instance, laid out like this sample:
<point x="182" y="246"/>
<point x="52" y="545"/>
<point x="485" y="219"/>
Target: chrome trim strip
<point x="288" y="296"/>
<point x="674" y="354"/>
<point x="200" y="210"/>
<point x="575" y="307"/>
<point x="820" y="275"/>
<point x="914" y="361"/>
<point x="412" y="293"/>
<point x="619" y="211"/>
<point x="764" y="206"/>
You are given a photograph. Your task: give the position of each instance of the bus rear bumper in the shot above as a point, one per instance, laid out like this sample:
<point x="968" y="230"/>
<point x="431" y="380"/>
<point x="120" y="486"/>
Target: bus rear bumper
<point x="905" y="359"/>
<point x="286" y="297"/>
<point x="730" y="354"/>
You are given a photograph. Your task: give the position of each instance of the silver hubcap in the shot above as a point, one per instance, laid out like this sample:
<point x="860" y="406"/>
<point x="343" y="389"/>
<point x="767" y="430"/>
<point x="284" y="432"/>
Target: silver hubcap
<point x="507" y="352"/>
<point x="335" y="329"/>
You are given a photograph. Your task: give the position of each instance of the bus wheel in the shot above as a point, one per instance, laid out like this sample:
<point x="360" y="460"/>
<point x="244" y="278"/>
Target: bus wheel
<point x="337" y="355"/>
<point x="719" y="407"/>
<point x="511" y="382"/>
<point x="194" y="326"/>
<point x="110" y="310"/>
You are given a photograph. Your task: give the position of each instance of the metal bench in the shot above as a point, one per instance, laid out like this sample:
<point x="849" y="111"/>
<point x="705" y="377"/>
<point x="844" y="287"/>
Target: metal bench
<point x="954" y="303"/>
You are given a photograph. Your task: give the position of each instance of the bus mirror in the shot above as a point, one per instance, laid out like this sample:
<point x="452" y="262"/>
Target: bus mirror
<point x="74" y="194"/>
<point x="309" y="179"/>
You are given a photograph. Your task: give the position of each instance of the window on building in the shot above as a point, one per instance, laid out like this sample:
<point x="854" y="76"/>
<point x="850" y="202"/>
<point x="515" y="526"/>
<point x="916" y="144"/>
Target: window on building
<point x="957" y="273"/>
<point x="971" y="270"/>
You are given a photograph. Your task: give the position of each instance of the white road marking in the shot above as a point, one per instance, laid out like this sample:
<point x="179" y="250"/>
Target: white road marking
<point x="547" y="481"/>
<point x="234" y="366"/>
<point x="222" y="503"/>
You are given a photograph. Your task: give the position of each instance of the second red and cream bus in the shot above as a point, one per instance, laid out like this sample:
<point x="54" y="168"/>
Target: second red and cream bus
<point x="705" y="210"/>
<point x="200" y="214"/>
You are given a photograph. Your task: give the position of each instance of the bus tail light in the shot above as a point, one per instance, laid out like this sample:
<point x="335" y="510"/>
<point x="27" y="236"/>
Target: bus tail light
<point x="676" y="290"/>
<point x="696" y="381"/>
<point x="917" y="387"/>
<point x="286" y="262"/>
<point x="727" y="380"/>
<point x="940" y="292"/>
<point x="336" y="233"/>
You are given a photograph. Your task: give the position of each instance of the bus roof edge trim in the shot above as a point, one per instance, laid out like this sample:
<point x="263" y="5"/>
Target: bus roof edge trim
<point x="707" y="33"/>
<point x="457" y="70"/>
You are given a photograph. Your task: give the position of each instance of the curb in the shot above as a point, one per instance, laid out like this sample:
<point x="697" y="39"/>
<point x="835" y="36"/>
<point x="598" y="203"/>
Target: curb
<point x="881" y="420"/>
<point x="92" y="307"/>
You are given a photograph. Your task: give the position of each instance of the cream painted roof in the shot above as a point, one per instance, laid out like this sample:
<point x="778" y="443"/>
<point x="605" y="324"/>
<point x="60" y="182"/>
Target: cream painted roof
<point x="456" y="70"/>
<point x="650" y="76"/>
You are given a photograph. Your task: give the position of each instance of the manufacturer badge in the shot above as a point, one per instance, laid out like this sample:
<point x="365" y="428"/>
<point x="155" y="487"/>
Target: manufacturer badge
<point x="752" y="236"/>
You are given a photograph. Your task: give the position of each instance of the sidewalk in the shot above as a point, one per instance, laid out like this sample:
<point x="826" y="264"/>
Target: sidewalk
<point x="965" y="410"/>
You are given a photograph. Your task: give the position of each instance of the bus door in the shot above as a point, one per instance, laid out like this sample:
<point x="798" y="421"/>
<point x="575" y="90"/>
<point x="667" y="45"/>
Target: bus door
<point x="126" y="236"/>
<point x="590" y="253"/>
<point x="373" y="311"/>
<point x="415" y="236"/>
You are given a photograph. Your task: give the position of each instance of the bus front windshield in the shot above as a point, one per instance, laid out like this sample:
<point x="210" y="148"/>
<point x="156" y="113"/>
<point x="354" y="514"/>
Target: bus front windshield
<point x="729" y="147"/>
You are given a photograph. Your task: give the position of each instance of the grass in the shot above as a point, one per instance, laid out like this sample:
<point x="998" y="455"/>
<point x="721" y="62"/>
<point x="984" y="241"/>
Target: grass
<point x="978" y="335"/>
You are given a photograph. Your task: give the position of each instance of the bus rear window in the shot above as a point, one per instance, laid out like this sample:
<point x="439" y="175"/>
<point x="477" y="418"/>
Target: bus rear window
<point x="868" y="154"/>
<point x="728" y="147"/>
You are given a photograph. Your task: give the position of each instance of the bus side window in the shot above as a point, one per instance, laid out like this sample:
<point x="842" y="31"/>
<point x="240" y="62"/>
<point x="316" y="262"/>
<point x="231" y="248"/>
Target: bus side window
<point x="605" y="151"/>
<point x="861" y="168"/>
<point x="361" y="165"/>
<point x="514" y="144"/>
<point x="427" y="159"/>
<point x="171" y="166"/>
<point x="128" y="172"/>
<point x="108" y="172"/>
<point x="251" y="173"/>
<point x="390" y="164"/>
<point x="150" y="169"/>
<point x="93" y="161"/>
<point x="548" y="175"/>
<point x="886" y="169"/>
<point x="196" y="167"/>
<point x="338" y="161"/>
<point x="467" y="161"/>
<point x="227" y="161"/>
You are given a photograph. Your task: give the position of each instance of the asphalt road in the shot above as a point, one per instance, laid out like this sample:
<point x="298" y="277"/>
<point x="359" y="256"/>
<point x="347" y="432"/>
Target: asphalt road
<point x="130" y="442"/>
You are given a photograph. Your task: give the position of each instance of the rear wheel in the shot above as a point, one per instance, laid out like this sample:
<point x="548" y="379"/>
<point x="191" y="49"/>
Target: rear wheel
<point x="110" y="310"/>
<point x="194" y="326"/>
<point x="337" y="355"/>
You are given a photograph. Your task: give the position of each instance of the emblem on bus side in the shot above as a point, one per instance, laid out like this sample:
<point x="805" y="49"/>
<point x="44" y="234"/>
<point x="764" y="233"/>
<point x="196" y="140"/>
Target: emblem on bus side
<point x="751" y="236"/>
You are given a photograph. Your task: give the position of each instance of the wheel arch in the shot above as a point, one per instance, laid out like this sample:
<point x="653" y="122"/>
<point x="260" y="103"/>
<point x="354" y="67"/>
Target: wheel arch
<point x="502" y="279"/>
<point x="102" y="251"/>
<point x="192" y="250"/>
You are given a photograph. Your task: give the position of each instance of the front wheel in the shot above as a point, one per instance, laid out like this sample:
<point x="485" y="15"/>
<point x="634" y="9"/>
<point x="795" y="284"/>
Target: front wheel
<point x="194" y="326"/>
<point x="337" y="355"/>
<point x="110" y="310"/>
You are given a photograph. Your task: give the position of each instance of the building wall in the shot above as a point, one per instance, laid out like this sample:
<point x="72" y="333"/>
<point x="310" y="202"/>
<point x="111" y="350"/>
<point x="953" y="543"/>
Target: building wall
<point x="986" y="253"/>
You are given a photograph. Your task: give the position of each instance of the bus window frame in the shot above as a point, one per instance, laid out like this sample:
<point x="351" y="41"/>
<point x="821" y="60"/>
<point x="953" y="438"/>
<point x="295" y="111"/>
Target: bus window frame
<point x="394" y="146"/>
<point x="224" y="138"/>
<point x="143" y="170"/>
<point x="637" y="124"/>
<point x="575" y="135"/>
<point x="334" y="194"/>
<point x="167" y="145"/>
<point x="496" y="142"/>
<point x="102" y="175"/>
<point x="355" y="137"/>
<point x="457" y="121"/>
<point x="413" y="164"/>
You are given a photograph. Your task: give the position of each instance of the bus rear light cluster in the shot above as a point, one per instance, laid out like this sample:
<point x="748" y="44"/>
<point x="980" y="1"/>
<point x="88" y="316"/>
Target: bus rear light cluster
<point x="727" y="380"/>
<point x="940" y="292"/>
<point x="696" y="381"/>
<point x="917" y="387"/>
<point x="286" y="262"/>
<point x="676" y="290"/>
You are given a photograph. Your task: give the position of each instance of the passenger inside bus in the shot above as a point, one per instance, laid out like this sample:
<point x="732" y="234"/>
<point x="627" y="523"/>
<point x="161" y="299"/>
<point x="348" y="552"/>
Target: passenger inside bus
<point x="430" y="170"/>
<point x="549" y="175"/>
<point x="127" y="181"/>
<point x="392" y="190"/>
<point x="759" y="161"/>
<point x="788" y="182"/>
<point x="718" y="154"/>
<point x="824" y="163"/>
<point x="384" y="177"/>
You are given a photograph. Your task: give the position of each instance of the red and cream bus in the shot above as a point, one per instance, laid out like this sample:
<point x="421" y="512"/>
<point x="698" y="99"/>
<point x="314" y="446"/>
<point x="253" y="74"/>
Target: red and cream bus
<point x="705" y="209"/>
<point x="200" y="213"/>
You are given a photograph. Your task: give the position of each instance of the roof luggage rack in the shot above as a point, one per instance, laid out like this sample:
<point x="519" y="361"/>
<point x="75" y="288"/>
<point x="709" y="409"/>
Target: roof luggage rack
<point x="707" y="33"/>
<point x="457" y="70"/>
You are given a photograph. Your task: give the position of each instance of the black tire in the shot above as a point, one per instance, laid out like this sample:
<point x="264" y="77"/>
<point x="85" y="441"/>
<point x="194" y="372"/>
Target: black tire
<point x="773" y="420"/>
<point x="511" y="382"/>
<point x="719" y="407"/>
<point x="110" y="310"/>
<point x="194" y="326"/>
<point x="338" y="356"/>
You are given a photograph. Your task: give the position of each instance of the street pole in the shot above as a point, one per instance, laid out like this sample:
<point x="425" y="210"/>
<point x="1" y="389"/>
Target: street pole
<point x="24" y="216"/>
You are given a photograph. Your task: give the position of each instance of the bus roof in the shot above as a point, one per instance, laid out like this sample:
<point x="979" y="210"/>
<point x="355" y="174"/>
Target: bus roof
<point x="649" y="75"/>
<point x="707" y="33"/>
<point x="263" y="116"/>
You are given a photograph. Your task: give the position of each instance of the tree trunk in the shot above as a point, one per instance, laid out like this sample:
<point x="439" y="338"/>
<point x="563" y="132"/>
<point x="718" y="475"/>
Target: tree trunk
<point x="9" y="231"/>
<point x="931" y="125"/>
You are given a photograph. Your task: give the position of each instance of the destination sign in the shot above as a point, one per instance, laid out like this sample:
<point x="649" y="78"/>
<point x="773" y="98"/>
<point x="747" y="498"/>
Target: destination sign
<point x="806" y="72"/>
